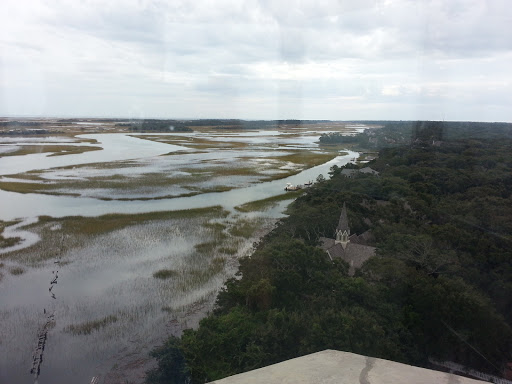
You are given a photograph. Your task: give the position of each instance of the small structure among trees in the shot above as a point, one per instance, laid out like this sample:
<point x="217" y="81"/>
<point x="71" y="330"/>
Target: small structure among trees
<point x="353" y="249"/>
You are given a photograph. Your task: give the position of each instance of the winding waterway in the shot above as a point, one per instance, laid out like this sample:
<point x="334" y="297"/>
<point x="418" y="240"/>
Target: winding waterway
<point x="122" y="147"/>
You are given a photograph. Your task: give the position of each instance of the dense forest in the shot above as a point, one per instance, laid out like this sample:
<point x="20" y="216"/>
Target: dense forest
<point x="394" y="133"/>
<point x="439" y="287"/>
<point x="154" y="125"/>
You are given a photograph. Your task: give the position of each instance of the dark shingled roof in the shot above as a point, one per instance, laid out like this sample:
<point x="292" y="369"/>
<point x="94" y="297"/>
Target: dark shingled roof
<point x="369" y="170"/>
<point x="343" y="223"/>
<point x="354" y="254"/>
<point x="326" y="243"/>
<point x="364" y="238"/>
<point x="348" y="172"/>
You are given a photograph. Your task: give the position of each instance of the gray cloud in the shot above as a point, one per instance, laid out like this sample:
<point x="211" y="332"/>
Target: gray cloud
<point x="265" y="59"/>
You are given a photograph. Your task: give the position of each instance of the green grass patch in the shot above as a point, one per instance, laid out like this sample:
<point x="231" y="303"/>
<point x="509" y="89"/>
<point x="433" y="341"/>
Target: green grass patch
<point x="90" y="326"/>
<point x="165" y="274"/>
<point x="263" y="204"/>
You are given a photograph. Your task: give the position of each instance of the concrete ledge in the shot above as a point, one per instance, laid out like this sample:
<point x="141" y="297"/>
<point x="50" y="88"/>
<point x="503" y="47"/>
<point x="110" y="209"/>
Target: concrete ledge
<point x="335" y="367"/>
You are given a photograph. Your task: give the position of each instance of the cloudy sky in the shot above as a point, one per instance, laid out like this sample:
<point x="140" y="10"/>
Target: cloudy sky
<point x="257" y="59"/>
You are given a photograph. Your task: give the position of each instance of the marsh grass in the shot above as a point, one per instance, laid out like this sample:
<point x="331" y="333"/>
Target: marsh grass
<point x="222" y="170"/>
<point x="90" y="326"/>
<point x="137" y="186"/>
<point x="6" y="242"/>
<point x="9" y="241"/>
<point x="215" y="188"/>
<point x="206" y="247"/>
<point x="107" y="223"/>
<point x="201" y="176"/>
<point x="16" y="271"/>
<point x="208" y="262"/>
<point x="196" y="277"/>
<point x="195" y="142"/>
<point x="216" y="227"/>
<point x="308" y="158"/>
<point x="165" y="274"/>
<point x="264" y="204"/>
<point x="228" y="250"/>
<point x="77" y="232"/>
<point x="217" y="237"/>
<point x="22" y="187"/>
<point x="55" y="150"/>
<point x="70" y="150"/>
<point x="245" y="227"/>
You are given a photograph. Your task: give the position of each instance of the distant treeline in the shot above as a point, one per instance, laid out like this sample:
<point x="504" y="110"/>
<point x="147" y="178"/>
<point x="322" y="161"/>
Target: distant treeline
<point x="160" y="125"/>
<point x="16" y="132"/>
<point x="14" y="127"/>
<point x="153" y="125"/>
<point x="244" y="124"/>
<point x="15" y="123"/>
<point x="396" y="133"/>
<point x="440" y="285"/>
<point x="188" y="125"/>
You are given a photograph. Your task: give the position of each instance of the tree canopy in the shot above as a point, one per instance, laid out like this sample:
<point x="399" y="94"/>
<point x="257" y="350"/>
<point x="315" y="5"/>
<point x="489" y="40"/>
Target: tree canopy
<point x="440" y="285"/>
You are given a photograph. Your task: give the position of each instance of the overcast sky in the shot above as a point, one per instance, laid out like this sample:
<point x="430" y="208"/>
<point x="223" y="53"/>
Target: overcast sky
<point x="266" y="59"/>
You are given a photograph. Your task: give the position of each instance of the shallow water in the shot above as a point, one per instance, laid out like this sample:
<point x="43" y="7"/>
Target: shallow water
<point x="116" y="146"/>
<point x="112" y="275"/>
<point x="27" y="238"/>
<point x="16" y="205"/>
<point x="145" y="156"/>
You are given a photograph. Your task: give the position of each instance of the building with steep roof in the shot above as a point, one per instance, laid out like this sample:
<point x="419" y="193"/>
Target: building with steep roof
<point x="369" y="171"/>
<point x="350" y="172"/>
<point x="353" y="249"/>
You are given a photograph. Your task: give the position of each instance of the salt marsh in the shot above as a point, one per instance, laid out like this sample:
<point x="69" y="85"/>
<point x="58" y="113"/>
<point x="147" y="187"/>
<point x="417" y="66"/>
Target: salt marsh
<point x="126" y="245"/>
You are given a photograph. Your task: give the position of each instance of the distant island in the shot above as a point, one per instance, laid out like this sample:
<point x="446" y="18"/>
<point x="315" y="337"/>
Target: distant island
<point x="40" y="126"/>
